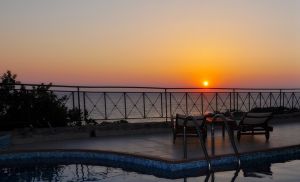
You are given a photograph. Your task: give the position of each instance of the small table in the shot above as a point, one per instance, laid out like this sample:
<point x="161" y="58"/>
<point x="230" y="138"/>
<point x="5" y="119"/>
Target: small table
<point x="212" y="121"/>
<point x="218" y="119"/>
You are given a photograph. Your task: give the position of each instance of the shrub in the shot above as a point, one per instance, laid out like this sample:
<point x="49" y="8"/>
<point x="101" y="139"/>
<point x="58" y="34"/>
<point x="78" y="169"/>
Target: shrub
<point x="38" y="107"/>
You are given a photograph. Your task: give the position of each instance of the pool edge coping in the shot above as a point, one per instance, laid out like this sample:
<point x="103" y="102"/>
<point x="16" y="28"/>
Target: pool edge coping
<point x="149" y="157"/>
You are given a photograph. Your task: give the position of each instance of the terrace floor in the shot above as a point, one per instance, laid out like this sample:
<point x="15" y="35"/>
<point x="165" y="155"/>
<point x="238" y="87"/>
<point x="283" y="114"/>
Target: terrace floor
<point x="160" y="145"/>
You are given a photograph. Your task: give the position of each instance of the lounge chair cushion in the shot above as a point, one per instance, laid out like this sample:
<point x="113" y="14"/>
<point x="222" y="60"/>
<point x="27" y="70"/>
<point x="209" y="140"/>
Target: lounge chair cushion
<point x="256" y="118"/>
<point x="181" y="118"/>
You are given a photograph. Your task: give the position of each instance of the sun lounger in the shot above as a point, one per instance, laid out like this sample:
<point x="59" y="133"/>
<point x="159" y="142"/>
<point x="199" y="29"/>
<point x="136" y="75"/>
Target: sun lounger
<point x="178" y="126"/>
<point x="255" y="124"/>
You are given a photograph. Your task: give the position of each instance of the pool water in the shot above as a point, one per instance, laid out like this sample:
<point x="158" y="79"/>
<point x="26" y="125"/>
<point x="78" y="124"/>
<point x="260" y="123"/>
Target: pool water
<point x="288" y="171"/>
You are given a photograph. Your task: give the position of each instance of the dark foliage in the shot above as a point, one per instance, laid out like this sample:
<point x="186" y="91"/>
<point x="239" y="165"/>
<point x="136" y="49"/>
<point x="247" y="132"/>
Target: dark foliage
<point x="275" y="110"/>
<point x="37" y="107"/>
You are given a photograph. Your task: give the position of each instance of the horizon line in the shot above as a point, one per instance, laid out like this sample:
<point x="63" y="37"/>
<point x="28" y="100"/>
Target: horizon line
<point x="151" y="87"/>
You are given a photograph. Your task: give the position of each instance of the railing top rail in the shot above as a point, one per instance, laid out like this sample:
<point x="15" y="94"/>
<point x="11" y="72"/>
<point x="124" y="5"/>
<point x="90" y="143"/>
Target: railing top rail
<point x="157" y="88"/>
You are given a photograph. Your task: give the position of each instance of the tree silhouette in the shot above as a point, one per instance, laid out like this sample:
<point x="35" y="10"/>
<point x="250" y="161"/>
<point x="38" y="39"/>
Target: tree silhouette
<point x="38" y="106"/>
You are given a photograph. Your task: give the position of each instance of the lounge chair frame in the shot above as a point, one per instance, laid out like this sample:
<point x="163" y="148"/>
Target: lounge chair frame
<point x="178" y="126"/>
<point x="260" y="127"/>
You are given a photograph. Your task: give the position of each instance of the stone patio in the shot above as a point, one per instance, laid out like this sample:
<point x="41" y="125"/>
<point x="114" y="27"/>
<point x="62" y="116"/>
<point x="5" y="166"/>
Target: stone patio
<point x="159" y="144"/>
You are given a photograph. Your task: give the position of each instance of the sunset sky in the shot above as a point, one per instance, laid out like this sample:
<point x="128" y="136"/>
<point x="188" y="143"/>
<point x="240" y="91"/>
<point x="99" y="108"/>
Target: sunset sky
<point x="254" y="43"/>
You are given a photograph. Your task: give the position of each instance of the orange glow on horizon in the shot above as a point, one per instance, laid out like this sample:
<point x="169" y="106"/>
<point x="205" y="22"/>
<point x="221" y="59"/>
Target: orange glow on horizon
<point x="209" y="47"/>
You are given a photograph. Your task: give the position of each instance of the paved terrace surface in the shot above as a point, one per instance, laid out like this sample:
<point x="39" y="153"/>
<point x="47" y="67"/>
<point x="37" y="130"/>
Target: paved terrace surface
<point x="160" y="145"/>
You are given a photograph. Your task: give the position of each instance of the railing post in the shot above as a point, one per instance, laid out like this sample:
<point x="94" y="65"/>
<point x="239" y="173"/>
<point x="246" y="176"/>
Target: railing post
<point x="161" y="105"/>
<point x="105" y="105"/>
<point x="78" y="100"/>
<point x="166" y="105"/>
<point x="280" y="97"/>
<point x="230" y="108"/>
<point x="233" y="93"/>
<point x="144" y="105"/>
<point x="170" y="104"/>
<point x="283" y="99"/>
<point x="260" y="99"/>
<point x="249" y="100"/>
<point x="73" y="100"/>
<point x="84" y="107"/>
<point x="186" y="104"/>
<point x="293" y="97"/>
<point x="237" y="101"/>
<point x="271" y="99"/>
<point x="216" y="101"/>
<point x="125" y="104"/>
<point x="202" y="109"/>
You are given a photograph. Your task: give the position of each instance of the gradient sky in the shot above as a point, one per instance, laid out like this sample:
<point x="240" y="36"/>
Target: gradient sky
<point x="254" y="43"/>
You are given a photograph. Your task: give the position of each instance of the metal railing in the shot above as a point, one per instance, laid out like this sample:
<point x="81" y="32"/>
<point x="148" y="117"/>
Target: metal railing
<point x="157" y="103"/>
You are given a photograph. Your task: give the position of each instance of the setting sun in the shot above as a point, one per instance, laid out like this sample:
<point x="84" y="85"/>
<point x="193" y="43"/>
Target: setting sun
<point x="205" y="83"/>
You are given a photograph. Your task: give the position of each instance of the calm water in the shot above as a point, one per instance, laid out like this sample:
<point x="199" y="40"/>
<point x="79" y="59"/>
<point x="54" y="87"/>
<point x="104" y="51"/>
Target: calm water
<point x="288" y="171"/>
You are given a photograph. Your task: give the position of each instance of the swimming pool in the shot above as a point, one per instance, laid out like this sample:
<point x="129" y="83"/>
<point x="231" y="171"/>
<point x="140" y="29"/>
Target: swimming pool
<point x="288" y="171"/>
<point x="72" y="165"/>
